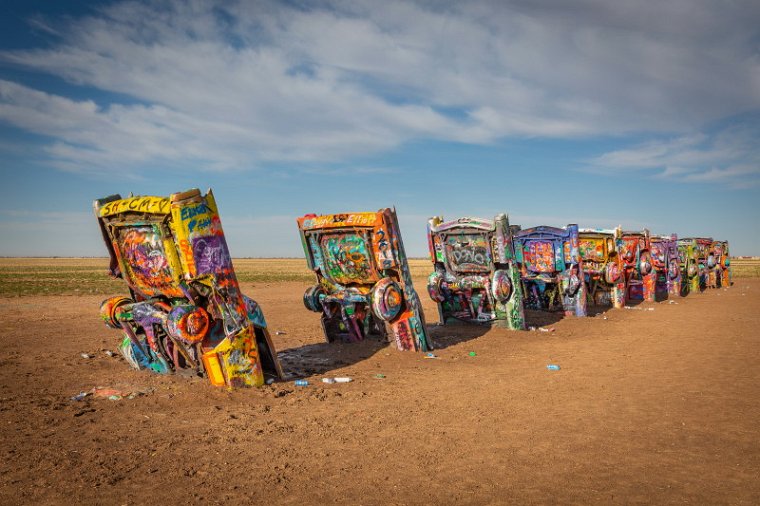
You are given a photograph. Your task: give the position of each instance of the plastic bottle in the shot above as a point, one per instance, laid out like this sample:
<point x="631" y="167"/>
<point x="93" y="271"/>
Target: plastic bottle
<point x="301" y="383"/>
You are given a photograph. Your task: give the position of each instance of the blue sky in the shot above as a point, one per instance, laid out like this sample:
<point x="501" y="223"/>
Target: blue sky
<point x="598" y="113"/>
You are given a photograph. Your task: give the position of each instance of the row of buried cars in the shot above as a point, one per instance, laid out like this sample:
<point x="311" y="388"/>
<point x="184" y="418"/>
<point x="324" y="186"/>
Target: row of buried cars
<point x="186" y="312"/>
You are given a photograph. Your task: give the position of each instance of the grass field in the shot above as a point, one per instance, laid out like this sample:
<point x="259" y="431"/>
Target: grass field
<point x="87" y="276"/>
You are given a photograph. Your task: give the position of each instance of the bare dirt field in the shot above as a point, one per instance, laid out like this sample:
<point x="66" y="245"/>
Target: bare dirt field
<point x="656" y="407"/>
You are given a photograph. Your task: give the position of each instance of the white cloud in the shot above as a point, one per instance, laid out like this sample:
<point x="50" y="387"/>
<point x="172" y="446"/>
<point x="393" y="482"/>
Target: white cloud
<point x="236" y="84"/>
<point x="729" y="156"/>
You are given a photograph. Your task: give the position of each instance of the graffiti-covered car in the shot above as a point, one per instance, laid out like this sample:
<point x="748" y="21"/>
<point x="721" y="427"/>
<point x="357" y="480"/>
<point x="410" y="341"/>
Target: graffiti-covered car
<point x="475" y="276"/>
<point x="185" y="309"/>
<point x="705" y="261"/>
<point x="723" y="263"/>
<point x="364" y="287"/>
<point x="689" y="262"/>
<point x="667" y="266"/>
<point x="551" y="269"/>
<point x="716" y="258"/>
<point x="640" y="277"/>
<point x="602" y="266"/>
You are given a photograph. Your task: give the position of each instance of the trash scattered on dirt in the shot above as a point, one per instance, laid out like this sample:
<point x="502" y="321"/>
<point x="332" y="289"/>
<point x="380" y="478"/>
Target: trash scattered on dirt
<point x="379" y="376"/>
<point x="553" y="367"/>
<point x="472" y="353"/>
<point x="109" y="353"/>
<point x="431" y="355"/>
<point x="649" y="309"/>
<point x="339" y="379"/>
<point x="280" y="333"/>
<point x="269" y="381"/>
<point x="111" y="394"/>
<point x="85" y="355"/>
<point x="672" y="302"/>
<point x="631" y="307"/>
<point x="544" y="329"/>
<point x="604" y="317"/>
<point x="301" y="383"/>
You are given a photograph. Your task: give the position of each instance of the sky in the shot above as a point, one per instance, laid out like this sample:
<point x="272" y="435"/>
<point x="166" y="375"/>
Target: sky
<point x="600" y="113"/>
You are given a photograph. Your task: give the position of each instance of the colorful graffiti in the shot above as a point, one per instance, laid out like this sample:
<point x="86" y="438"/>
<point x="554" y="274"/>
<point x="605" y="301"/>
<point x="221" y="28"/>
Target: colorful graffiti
<point x="186" y="310"/>
<point x="551" y="269"/>
<point x="364" y="287"/>
<point x="475" y="278"/>
<point x="602" y="266"/>
<point x="667" y="266"/>
<point x="640" y="276"/>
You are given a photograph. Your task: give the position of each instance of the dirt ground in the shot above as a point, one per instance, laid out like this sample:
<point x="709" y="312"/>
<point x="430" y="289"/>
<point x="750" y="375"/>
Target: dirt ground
<point x="649" y="407"/>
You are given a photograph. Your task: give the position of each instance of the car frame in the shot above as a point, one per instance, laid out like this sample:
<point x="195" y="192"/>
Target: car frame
<point x="551" y="269"/>
<point x="364" y="286"/>
<point x="602" y="266"/>
<point x="640" y="276"/>
<point x="667" y="266"/>
<point x="690" y="268"/>
<point x="186" y="309"/>
<point x="475" y="276"/>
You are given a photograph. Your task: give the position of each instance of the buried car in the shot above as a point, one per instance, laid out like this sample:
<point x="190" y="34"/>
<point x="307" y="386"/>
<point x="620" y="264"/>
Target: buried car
<point x="475" y="276"/>
<point x="723" y="263"/>
<point x="666" y="264"/>
<point x="185" y="310"/>
<point x="364" y="287"/>
<point x="640" y="278"/>
<point x="689" y="262"/>
<point x="602" y="266"/>
<point x="551" y="269"/>
<point x="704" y="260"/>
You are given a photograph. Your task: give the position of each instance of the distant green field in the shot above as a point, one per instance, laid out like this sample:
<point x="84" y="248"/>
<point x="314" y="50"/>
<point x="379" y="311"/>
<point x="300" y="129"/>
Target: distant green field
<point x="87" y="276"/>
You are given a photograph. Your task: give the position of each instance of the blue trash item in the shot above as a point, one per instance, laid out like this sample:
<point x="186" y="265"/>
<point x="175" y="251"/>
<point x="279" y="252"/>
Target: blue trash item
<point x="301" y="383"/>
<point x="553" y="367"/>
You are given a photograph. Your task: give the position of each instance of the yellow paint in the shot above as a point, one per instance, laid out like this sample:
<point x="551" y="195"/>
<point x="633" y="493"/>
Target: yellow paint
<point x="152" y="205"/>
<point x="213" y="368"/>
<point x="341" y="220"/>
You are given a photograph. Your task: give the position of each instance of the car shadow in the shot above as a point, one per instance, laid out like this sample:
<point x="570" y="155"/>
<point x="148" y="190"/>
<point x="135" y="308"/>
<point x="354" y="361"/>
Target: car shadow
<point x="320" y="358"/>
<point x="453" y="333"/>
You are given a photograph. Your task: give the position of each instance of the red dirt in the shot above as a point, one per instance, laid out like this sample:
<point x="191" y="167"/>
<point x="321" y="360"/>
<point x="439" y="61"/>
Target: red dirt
<point x="648" y="407"/>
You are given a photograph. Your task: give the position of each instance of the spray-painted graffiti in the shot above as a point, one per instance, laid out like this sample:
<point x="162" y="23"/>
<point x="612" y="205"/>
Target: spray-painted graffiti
<point x="186" y="309"/>
<point x="640" y="276"/>
<point x="602" y="266"/>
<point x="551" y="269"/>
<point x="666" y="264"/>
<point x="474" y="281"/>
<point x="347" y="258"/>
<point x="364" y="284"/>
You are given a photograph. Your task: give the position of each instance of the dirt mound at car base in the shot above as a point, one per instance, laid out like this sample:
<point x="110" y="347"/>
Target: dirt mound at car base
<point x="649" y="406"/>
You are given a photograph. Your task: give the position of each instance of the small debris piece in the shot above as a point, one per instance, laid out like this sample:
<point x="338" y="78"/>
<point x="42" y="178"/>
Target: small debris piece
<point x="553" y="367"/>
<point x="80" y="396"/>
<point x="431" y="355"/>
<point x="280" y="333"/>
<point x="343" y="379"/>
<point x="329" y="381"/>
<point x="380" y="376"/>
<point x="472" y="353"/>
<point x="85" y="355"/>
<point x="109" y="353"/>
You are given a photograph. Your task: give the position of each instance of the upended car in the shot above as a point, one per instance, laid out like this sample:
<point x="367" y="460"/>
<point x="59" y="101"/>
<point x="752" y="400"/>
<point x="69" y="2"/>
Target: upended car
<point x="364" y="287"/>
<point x="475" y="277"/>
<point x="185" y="310"/>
